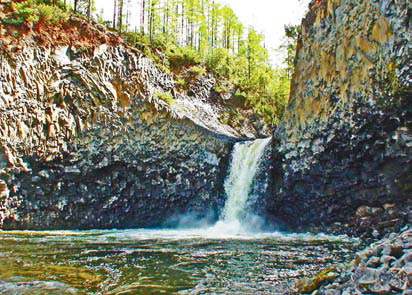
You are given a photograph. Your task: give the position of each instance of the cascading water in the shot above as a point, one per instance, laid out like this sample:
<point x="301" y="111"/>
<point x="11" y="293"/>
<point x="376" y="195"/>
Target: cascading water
<point x="235" y="217"/>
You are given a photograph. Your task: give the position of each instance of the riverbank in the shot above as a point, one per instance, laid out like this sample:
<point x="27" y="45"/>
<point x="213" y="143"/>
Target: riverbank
<point x="385" y="267"/>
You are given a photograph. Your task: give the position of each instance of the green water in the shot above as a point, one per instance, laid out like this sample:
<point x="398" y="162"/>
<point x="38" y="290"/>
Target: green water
<point x="161" y="261"/>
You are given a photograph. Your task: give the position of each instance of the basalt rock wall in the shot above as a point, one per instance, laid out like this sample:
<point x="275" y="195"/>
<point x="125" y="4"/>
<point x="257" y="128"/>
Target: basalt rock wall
<point x="87" y="142"/>
<point x="344" y="149"/>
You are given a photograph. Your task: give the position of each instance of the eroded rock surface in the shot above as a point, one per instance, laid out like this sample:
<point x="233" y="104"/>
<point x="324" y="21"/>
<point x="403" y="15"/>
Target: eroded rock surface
<point x="346" y="139"/>
<point x="86" y="142"/>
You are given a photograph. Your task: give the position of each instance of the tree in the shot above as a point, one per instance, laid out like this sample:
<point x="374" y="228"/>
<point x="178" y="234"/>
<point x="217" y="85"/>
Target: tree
<point x="75" y="4"/>
<point x="142" y="16"/>
<point x="120" y="15"/>
<point x="114" y="13"/>
<point x="292" y="33"/>
<point x="84" y="7"/>
<point x="230" y="21"/>
<point x="195" y="31"/>
<point x="89" y="8"/>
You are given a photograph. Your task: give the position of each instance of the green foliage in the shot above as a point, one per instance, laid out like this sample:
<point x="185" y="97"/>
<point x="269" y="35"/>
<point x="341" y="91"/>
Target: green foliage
<point x="57" y="3"/>
<point x="15" y="20"/>
<point x="219" y="62"/>
<point x="36" y="11"/>
<point x="289" y="45"/>
<point x="160" y="42"/>
<point x="188" y="38"/>
<point x="220" y="88"/>
<point x="197" y="71"/>
<point x="181" y="83"/>
<point x="167" y="97"/>
<point x="183" y="57"/>
<point x="51" y="14"/>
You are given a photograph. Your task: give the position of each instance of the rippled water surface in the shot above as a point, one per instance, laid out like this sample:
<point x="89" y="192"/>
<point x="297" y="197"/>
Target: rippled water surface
<point x="161" y="261"/>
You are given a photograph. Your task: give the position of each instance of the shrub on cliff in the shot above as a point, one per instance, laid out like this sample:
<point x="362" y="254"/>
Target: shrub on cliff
<point x="196" y="71"/>
<point x="36" y="12"/>
<point x="218" y="62"/>
<point x="183" y="57"/>
<point x="167" y="97"/>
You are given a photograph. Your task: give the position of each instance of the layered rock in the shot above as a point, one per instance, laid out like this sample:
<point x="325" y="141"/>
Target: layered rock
<point x="87" y="141"/>
<point x="345" y="143"/>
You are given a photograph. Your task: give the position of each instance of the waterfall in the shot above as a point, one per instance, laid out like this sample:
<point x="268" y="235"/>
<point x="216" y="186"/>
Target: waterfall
<point x="235" y="217"/>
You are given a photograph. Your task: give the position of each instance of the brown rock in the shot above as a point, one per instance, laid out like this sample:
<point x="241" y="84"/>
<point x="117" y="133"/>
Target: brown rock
<point x="363" y="211"/>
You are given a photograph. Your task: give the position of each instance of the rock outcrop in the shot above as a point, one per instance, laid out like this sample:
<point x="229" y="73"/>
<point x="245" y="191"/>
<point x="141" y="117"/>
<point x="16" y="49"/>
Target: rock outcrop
<point x="88" y="142"/>
<point x="382" y="268"/>
<point x="344" y="149"/>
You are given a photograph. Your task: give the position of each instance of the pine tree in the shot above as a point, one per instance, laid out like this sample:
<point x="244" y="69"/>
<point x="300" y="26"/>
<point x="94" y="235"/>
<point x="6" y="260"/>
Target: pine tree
<point x="292" y="34"/>
<point x="142" y="16"/>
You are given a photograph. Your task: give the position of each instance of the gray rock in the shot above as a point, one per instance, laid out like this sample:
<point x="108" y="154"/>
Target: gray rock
<point x="387" y="260"/>
<point x="368" y="276"/>
<point x="380" y="288"/>
<point x="373" y="262"/>
<point x="44" y="174"/>
<point x="73" y="169"/>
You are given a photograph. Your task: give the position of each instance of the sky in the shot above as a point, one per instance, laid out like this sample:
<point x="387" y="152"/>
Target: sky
<point x="266" y="16"/>
<point x="269" y="17"/>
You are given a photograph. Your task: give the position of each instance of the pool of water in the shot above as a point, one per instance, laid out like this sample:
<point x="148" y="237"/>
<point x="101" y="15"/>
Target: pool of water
<point x="162" y="261"/>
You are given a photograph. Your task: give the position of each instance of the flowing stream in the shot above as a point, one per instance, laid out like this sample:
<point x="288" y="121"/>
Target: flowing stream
<point x="231" y="257"/>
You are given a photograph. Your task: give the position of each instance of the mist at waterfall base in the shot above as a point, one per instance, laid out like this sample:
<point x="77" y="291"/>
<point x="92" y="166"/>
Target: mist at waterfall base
<point x="235" y="255"/>
<point x="237" y="216"/>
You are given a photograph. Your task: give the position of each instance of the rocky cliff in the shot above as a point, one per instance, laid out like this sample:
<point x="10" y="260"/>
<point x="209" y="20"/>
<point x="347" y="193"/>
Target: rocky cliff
<point x="344" y="148"/>
<point x="88" y="140"/>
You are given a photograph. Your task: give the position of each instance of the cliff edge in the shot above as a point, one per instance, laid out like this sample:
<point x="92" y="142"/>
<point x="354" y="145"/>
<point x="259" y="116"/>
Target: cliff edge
<point x="344" y="148"/>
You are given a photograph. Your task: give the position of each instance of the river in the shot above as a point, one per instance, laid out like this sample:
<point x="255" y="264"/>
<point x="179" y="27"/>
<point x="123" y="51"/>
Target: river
<point x="162" y="261"/>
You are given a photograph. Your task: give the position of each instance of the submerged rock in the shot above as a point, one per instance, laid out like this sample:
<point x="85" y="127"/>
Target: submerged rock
<point x="36" y="287"/>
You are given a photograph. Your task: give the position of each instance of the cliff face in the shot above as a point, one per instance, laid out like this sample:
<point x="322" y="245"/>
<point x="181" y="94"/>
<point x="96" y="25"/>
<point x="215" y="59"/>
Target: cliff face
<point x="87" y="142"/>
<point x="344" y="148"/>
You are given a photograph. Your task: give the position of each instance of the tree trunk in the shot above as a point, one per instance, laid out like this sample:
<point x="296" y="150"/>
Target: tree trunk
<point x="120" y="22"/>
<point x="213" y="25"/>
<point x="75" y="6"/>
<point x="151" y="18"/>
<point x="183" y="20"/>
<point x="89" y="9"/>
<point x="114" y="14"/>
